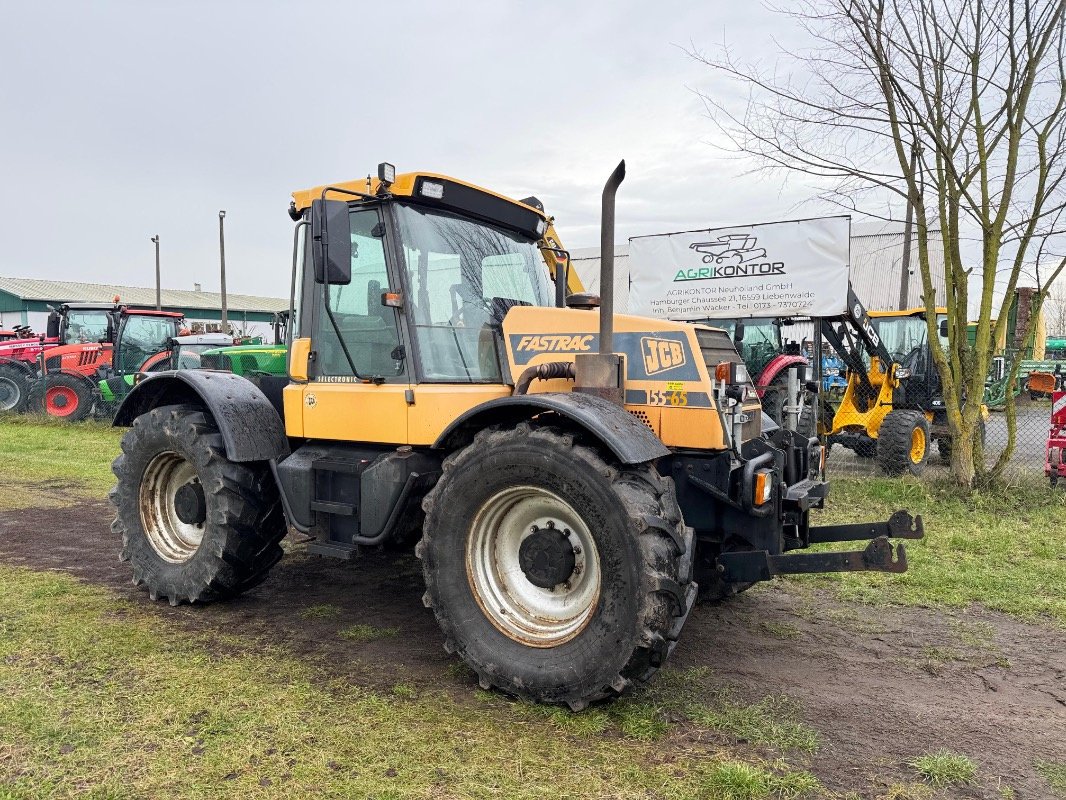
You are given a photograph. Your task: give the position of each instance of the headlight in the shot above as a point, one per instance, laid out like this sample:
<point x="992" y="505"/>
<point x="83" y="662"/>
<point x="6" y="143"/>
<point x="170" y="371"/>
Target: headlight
<point x="732" y="373"/>
<point x="902" y="373"/>
<point x="541" y="227"/>
<point x="434" y="191"/>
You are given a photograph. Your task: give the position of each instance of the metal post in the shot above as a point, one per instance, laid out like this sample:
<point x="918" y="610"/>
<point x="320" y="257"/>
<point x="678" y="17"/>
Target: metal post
<point x="222" y="256"/>
<point x="158" y="290"/>
<point x="791" y="404"/>
<point x="908" y="232"/>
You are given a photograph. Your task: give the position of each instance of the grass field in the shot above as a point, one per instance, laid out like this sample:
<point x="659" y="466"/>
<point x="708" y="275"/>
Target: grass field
<point x="99" y="698"/>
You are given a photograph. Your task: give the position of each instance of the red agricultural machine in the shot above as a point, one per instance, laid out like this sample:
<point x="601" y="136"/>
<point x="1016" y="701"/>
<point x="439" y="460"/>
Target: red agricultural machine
<point x="68" y="374"/>
<point x="1055" y="453"/>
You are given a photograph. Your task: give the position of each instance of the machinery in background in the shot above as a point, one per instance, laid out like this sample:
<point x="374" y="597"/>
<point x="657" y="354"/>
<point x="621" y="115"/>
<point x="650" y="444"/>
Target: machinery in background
<point x="1055" y="452"/>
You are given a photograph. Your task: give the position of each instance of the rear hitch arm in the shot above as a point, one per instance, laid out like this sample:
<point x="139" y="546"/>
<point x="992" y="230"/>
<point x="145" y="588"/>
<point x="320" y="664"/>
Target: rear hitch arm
<point x="747" y="567"/>
<point x="900" y="525"/>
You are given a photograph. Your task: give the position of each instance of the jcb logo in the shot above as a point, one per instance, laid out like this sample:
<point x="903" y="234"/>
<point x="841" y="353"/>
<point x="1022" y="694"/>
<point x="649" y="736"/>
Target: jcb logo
<point x="661" y="354"/>
<point x="556" y="343"/>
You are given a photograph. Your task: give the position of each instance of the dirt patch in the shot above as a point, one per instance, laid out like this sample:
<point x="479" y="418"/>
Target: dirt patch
<point x="881" y="686"/>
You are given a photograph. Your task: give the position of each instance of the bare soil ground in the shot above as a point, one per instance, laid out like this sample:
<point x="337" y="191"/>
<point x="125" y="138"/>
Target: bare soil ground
<point x="881" y="685"/>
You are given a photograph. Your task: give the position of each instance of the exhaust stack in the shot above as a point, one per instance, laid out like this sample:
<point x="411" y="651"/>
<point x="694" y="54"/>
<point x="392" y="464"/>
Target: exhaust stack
<point x="601" y="373"/>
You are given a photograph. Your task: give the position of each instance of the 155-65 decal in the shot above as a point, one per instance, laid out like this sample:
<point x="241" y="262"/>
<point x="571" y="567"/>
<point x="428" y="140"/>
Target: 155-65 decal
<point x="657" y="397"/>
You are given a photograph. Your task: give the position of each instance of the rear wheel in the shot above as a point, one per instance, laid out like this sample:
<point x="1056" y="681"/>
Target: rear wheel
<point x="557" y="574"/>
<point x="903" y="442"/>
<point x="14" y="389"/>
<point x="195" y="526"/>
<point x="62" y="396"/>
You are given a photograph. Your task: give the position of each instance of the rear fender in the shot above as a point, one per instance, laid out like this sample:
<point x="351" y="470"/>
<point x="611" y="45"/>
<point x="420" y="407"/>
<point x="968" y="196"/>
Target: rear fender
<point x="28" y="368"/>
<point x="250" y="426"/>
<point x="630" y="440"/>
<point x="777" y="365"/>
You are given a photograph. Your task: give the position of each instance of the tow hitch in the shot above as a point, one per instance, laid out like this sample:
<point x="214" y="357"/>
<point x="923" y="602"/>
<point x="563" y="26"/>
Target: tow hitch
<point x="759" y="565"/>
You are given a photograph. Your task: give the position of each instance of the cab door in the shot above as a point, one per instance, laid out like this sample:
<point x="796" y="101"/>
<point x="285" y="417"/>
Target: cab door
<point x="358" y="382"/>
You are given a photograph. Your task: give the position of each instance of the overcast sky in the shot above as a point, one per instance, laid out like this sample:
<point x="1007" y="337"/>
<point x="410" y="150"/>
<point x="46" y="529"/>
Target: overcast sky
<point x="126" y="119"/>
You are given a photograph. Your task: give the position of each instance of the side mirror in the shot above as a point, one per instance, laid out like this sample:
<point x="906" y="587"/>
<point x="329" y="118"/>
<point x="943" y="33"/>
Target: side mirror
<point x="944" y="328"/>
<point x="53" y="325"/>
<point x="738" y="332"/>
<point x="331" y="242"/>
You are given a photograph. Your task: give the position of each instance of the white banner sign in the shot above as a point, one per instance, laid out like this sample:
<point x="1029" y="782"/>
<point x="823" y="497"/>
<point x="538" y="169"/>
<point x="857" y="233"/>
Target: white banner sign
<point x="777" y="269"/>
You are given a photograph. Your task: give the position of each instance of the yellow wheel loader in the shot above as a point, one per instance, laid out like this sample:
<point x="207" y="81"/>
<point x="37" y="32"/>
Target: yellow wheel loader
<point x="572" y="478"/>
<point x="893" y="406"/>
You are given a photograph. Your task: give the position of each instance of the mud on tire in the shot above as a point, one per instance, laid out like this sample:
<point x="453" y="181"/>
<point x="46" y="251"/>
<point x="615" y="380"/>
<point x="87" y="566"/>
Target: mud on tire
<point x="641" y="548"/>
<point x="240" y="518"/>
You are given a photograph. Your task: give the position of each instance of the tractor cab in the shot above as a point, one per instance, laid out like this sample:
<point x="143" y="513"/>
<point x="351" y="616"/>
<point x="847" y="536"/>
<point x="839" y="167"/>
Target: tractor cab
<point x="905" y="336"/>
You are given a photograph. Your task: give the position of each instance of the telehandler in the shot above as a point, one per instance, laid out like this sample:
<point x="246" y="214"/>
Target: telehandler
<point x="570" y="475"/>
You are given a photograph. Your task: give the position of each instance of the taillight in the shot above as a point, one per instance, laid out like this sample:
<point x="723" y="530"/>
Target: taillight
<point x="764" y="486"/>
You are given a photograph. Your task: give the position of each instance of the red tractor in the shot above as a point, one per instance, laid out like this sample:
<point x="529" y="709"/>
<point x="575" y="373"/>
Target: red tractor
<point x="1055" y="453"/>
<point x="67" y="374"/>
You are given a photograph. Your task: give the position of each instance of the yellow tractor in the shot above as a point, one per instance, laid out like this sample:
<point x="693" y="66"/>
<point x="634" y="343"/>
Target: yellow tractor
<point x="572" y="477"/>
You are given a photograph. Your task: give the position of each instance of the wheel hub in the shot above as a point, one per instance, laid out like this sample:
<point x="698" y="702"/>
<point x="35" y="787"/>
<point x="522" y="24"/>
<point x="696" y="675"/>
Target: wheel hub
<point x="547" y="557"/>
<point x="60" y="400"/>
<point x="190" y="504"/>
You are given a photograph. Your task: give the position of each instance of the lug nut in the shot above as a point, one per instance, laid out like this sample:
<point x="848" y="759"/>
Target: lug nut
<point x="568" y="532"/>
<point x="532" y="528"/>
<point x="551" y="523"/>
<point x="577" y="550"/>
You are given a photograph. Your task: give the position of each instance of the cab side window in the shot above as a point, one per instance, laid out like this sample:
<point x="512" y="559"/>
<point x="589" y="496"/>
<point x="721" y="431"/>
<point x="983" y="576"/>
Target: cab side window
<point x="367" y="328"/>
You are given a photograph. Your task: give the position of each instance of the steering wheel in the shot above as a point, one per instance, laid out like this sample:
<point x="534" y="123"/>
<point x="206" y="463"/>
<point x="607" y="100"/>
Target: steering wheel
<point x="458" y="319"/>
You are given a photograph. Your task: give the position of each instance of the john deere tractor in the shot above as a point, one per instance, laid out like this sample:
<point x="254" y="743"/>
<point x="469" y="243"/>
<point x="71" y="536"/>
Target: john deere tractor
<point x="572" y="478"/>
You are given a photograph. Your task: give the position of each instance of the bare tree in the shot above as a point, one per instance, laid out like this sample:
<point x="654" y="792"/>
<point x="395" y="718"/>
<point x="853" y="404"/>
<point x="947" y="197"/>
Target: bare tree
<point x="956" y="108"/>
<point x="1055" y="309"/>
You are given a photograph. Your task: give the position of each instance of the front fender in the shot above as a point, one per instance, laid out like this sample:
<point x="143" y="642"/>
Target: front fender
<point x="250" y="426"/>
<point x="629" y="439"/>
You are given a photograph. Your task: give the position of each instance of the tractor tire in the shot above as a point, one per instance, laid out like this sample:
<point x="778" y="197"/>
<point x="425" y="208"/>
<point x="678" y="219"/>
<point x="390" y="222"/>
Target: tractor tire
<point x="14" y="389"/>
<point x="556" y="574"/>
<point x="195" y="526"/>
<point x="773" y="403"/>
<point x="865" y="448"/>
<point x="903" y="442"/>
<point x="61" y="396"/>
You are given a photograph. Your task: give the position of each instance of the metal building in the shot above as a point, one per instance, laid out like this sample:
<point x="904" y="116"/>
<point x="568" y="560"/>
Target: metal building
<point x="25" y="301"/>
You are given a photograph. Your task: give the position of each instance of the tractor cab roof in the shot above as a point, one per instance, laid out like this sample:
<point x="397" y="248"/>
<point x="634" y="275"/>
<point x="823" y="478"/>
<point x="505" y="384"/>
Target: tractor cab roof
<point x="438" y="191"/>
<point x="212" y="339"/>
<point x="118" y="308"/>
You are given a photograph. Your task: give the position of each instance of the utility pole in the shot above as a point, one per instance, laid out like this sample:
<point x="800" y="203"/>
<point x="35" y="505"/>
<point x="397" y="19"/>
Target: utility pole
<point x="222" y="255"/>
<point x="908" y="234"/>
<point x="158" y="291"/>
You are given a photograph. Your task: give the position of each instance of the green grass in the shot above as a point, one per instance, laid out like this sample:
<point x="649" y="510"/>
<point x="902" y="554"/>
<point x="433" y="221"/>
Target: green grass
<point x="1001" y="549"/>
<point x="40" y="451"/>
<point x="322" y="611"/>
<point x="367" y="633"/>
<point x="99" y="698"/>
<point x="944" y="768"/>
<point x="1055" y="774"/>
<point x="731" y="780"/>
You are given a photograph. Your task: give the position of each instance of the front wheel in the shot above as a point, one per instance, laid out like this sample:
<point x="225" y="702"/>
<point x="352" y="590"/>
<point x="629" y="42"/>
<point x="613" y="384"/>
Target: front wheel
<point x="557" y="574"/>
<point x="195" y="526"/>
<point x="903" y="442"/>
<point x="62" y="396"/>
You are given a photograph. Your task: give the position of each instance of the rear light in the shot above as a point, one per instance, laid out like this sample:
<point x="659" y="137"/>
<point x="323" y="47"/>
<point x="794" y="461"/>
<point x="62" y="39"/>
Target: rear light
<point x="764" y="485"/>
<point x="732" y="373"/>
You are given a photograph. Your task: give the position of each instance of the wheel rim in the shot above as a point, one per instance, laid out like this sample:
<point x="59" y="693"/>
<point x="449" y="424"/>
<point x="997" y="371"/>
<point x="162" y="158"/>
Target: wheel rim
<point x="173" y="539"/>
<point x="9" y="393"/>
<point x="60" y="401"/>
<point x="497" y="565"/>
<point x="917" y="445"/>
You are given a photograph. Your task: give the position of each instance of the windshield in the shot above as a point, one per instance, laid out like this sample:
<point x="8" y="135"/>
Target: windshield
<point x="902" y="336"/>
<point x="84" y="327"/>
<point x="143" y="337"/>
<point x="463" y="276"/>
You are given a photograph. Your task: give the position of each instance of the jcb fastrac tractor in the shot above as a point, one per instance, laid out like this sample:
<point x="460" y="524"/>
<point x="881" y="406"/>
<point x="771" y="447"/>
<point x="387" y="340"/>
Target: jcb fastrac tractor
<point x="569" y="474"/>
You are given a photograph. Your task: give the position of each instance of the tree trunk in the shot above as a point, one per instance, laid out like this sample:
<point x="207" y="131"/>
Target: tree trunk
<point x="962" y="458"/>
